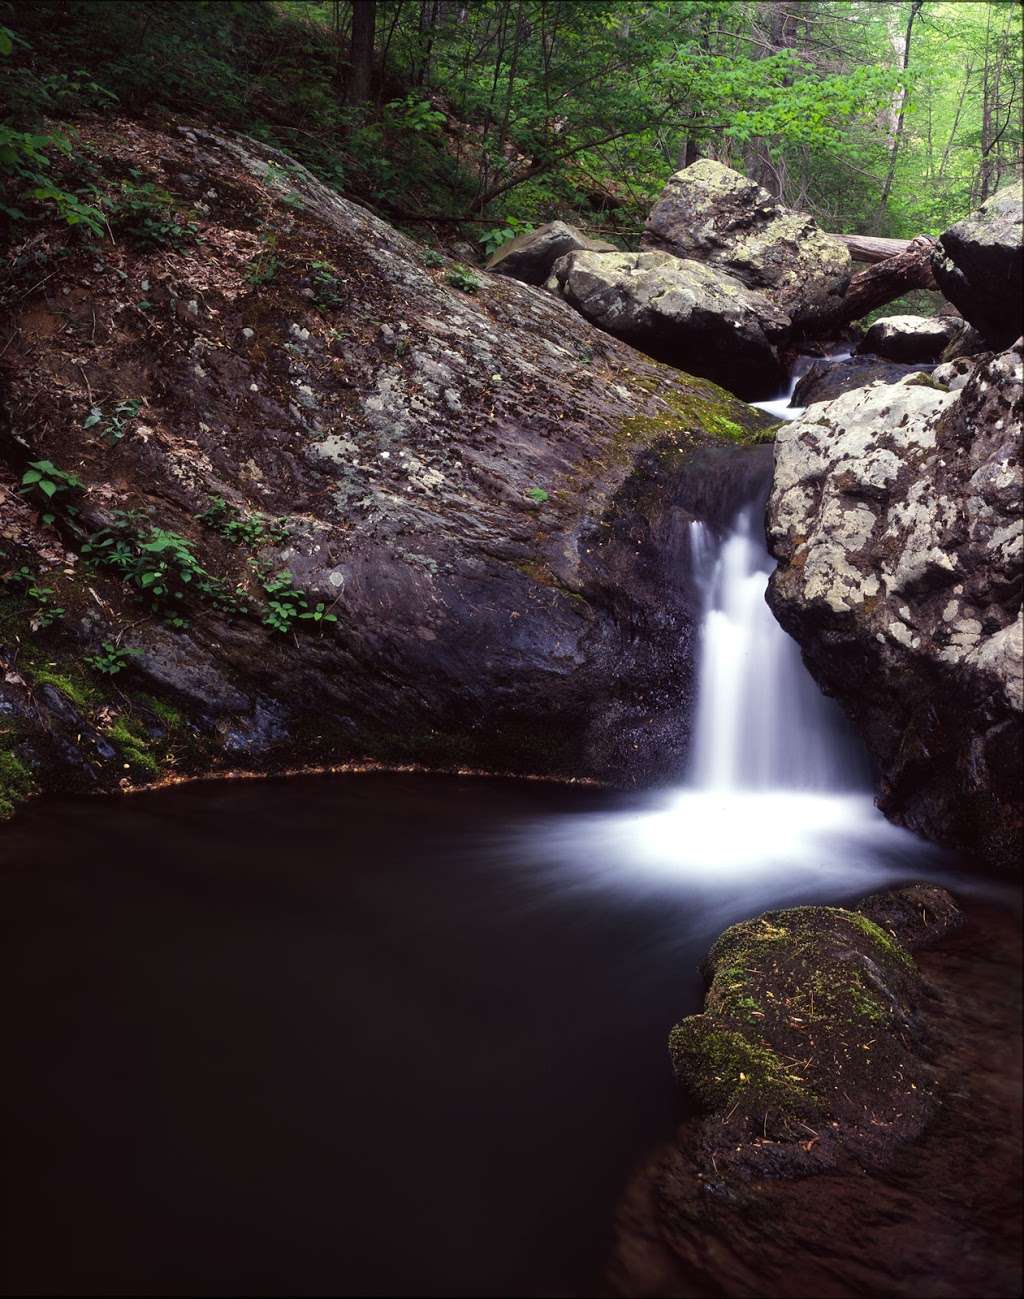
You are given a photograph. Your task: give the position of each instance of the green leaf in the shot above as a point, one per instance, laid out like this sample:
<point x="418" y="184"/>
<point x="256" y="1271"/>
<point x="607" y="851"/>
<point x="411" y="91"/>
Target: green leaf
<point x="47" y="487"/>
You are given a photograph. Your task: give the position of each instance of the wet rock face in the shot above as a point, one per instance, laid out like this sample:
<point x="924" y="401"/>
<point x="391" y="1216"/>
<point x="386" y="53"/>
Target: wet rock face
<point x="825" y="381"/>
<point x="711" y="214"/>
<point x="530" y="257"/>
<point x="690" y="315"/>
<point x="979" y="266"/>
<point x="895" y="515"/>
<point x="911" y="338"/>
<point x="480" y="487"/>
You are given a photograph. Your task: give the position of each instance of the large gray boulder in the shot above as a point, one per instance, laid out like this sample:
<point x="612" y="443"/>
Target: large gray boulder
<point x="530" y="257"/>
<point x="694" y="316"/>
<point x="711" y="214"/>
<point x="912" y="338"/>
<point x="895" y="515"/>
<point x="979" y="266"/>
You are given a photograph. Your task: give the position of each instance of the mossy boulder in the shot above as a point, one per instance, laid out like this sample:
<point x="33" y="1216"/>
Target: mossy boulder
<point x="979" y="266"/>
<point x="711" y="214"/>
<point x="810" y="1042"/>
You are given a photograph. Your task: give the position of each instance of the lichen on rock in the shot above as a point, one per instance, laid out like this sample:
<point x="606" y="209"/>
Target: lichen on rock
<point x="896" y="518"/>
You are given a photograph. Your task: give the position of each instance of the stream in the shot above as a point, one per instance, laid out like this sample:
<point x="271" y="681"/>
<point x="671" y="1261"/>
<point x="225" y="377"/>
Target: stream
<point x="400" y="1034"/>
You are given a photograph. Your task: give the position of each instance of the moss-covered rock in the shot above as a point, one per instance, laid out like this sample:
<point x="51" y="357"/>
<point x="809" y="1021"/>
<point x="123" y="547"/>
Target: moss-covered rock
<point x="809" y="1043"/>
<point x="696" y="317"/>
<point x="16" y="783"/>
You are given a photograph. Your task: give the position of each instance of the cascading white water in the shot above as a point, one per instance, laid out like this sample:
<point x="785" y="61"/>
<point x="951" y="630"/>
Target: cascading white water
<point x="777" y="791"/>
<point x="780" y="406"/>
<point x="761" y="723"/>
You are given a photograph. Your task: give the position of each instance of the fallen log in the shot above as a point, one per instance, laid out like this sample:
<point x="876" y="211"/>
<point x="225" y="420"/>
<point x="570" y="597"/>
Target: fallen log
<point x="866" y="248"/>
<point x="882" y="282"/>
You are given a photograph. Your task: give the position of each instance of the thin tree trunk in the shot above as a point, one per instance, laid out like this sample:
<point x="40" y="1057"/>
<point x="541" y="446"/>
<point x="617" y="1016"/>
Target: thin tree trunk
<point x="956" y="122"/>
<point x="915" y="9"/>
<point x="364" y="28"/>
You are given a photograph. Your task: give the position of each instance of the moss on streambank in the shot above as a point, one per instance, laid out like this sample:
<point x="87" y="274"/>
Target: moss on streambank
<point x="703" y="411"/>
<point x="16" y="783"/>
<point x="67" y="729"/>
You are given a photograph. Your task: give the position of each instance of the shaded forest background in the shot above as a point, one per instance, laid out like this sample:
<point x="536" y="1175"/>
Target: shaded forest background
<point x="478" y="119"/>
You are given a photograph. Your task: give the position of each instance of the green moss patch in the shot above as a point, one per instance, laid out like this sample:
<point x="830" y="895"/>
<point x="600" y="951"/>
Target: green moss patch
<point x="16" y="783"/>
<point x="80" y="692"/>
<point x="135" y="747"/>
<point x="723" y="1067"/>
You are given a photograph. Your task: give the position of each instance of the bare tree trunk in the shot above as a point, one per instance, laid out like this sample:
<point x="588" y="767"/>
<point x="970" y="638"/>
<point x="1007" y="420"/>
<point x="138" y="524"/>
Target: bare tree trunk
<point x="915" y="9"/>
<point x="364" y="28"/>
<point x="956" y="121"/>
<point x="868" y="248"/>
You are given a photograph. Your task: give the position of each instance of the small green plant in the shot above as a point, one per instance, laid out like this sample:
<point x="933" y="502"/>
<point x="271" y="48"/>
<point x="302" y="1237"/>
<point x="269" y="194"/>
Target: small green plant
<point x="264" y="266"/>
<point x="319" y="614"/>
<point x="22" y="576"/>
<point x="148" y="216"/>
<point x="43" y="479"/>
<point x="539" y="495"/>
<point x="493" y="239"/>
<point x="48" y="611"/>
<point x="431" y="257"/>
<point x="112" y="658"/>
<point x="285" y="602"/>
<point x="460" y="278"/>
<point x="159" y="564"/>
<point x="242" y="529"/>
<point x="326" y="285"/>
<point x="118" y="424"/>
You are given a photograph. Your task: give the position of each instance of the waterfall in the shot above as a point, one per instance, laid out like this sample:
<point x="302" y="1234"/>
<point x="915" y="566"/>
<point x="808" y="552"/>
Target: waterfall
<point x="761" y="722"/>
<point x="780" y="405"/>
<point x="775" y="799"/>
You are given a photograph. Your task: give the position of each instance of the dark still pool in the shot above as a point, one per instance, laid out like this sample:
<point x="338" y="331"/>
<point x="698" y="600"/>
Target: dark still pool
<point x="370" y="1035"/>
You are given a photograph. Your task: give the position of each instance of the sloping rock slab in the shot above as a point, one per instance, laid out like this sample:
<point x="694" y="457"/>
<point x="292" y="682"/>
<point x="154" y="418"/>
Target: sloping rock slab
<point x="691" y="315"/>
<point x="711" y="214"/>
<point x="479" y="490"/>
<point x="979" y="265"/>
<point x="530" y="257"/>
<point x="895" y="515"/>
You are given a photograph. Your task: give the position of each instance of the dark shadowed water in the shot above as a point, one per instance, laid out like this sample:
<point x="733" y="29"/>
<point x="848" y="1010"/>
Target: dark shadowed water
<point x="364" y="1035"/>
